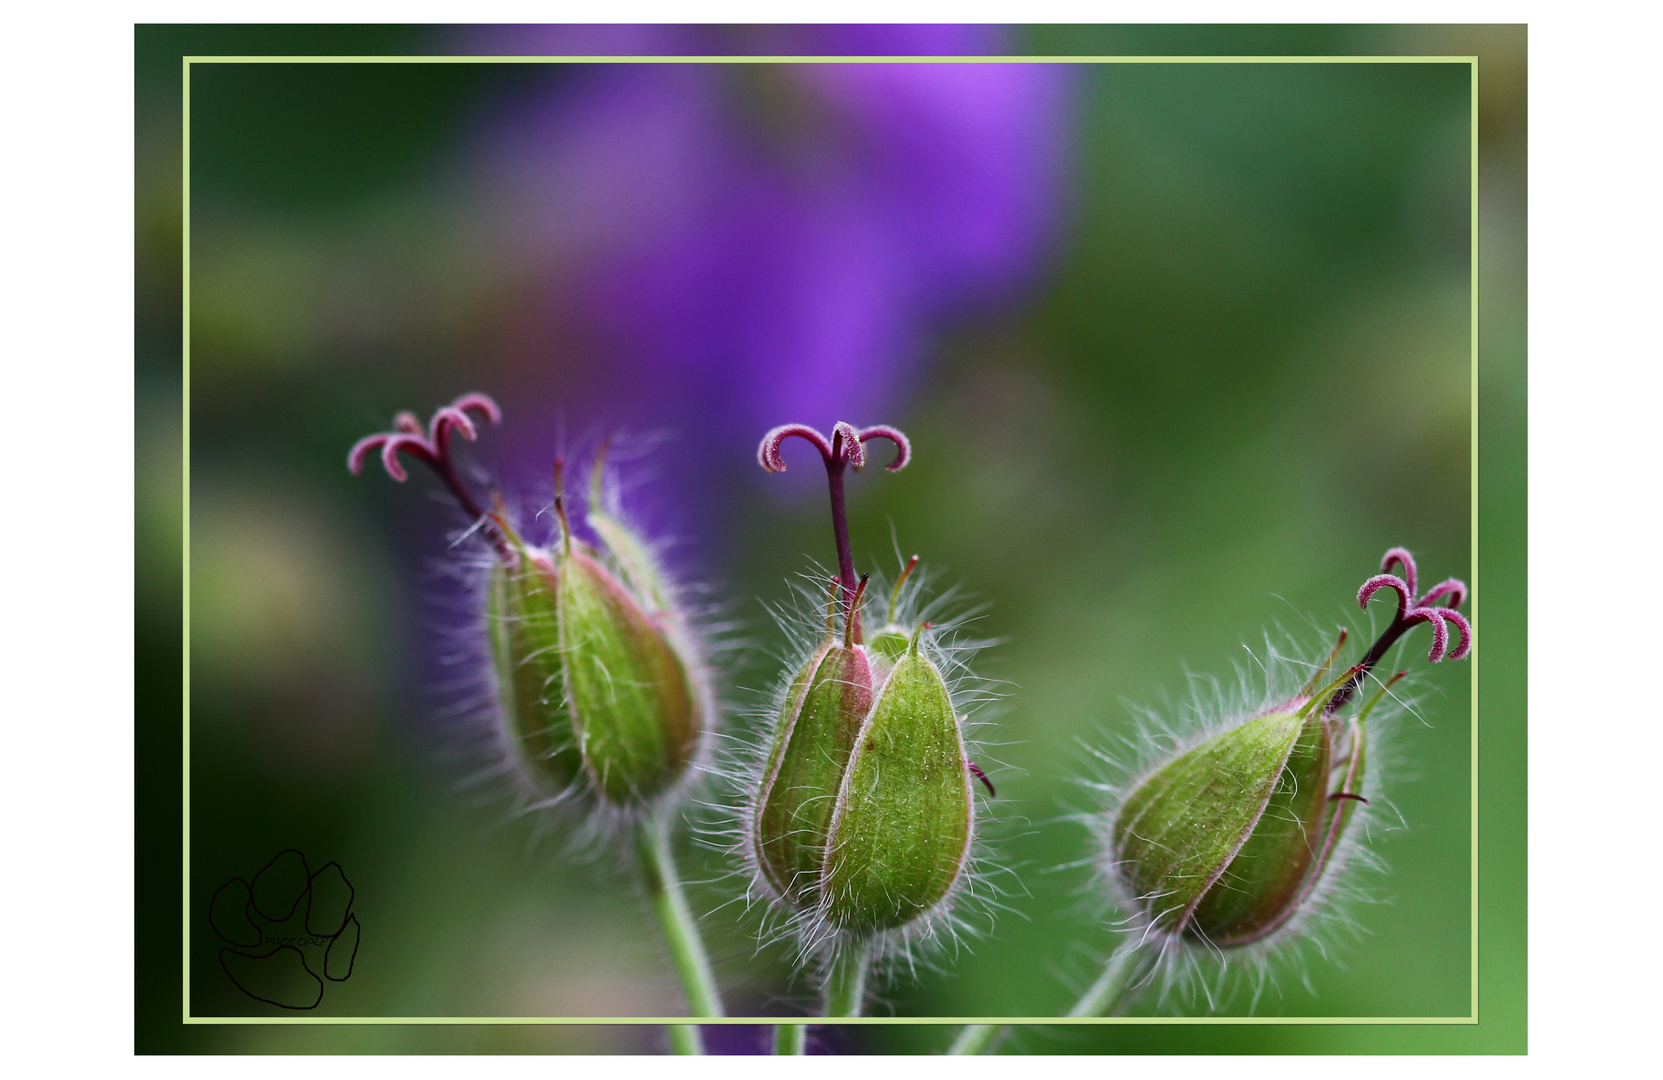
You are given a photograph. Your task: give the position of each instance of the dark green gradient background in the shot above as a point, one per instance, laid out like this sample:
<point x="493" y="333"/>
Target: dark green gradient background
<point x="1245" y="378"/>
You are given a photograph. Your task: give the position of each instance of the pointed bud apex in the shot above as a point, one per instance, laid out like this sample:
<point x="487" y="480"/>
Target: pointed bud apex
<point x="889" y="645"/>
<point x="892" y="642"/>
<point x="637" y="562"/>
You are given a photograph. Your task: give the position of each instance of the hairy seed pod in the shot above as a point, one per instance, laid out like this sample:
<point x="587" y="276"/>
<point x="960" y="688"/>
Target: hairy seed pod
<point x="864" y="815"/>
<point x="1225" y="843"/>
<point x="597" y="680"/>
<point x="829" y="701"/>
<point x="1220" y="839"/>
<point x="901" y="827"/>
<point x="861" y="821"/>
<point x="524" y="624"/>
<point x="601" y="691"/>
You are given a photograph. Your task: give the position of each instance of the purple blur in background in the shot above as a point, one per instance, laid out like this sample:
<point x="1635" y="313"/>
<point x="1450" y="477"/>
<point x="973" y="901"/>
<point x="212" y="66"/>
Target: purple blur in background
<point x="714" y="249"/>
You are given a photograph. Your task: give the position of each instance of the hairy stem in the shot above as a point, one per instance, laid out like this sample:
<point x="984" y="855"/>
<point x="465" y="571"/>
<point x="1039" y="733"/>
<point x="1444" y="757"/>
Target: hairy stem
<point x="685" y="1039"/>
<point x="978" y="1039"/>
<point x="846" y="984"/>
<point x="681" y="932"/>
<point x="1118" y="985"/>
<point x="791" y="1039"/>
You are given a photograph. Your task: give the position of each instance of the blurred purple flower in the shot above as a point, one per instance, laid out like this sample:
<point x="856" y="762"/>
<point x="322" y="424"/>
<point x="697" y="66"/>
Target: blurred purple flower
<point x="723" y="248"/>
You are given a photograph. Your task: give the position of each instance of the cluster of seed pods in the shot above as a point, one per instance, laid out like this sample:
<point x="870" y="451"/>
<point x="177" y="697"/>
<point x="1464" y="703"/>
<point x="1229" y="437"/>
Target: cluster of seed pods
<point x="861" y="818"/>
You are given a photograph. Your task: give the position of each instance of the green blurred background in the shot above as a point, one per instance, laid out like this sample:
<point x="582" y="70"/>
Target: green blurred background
<point x="1243" y="375"/>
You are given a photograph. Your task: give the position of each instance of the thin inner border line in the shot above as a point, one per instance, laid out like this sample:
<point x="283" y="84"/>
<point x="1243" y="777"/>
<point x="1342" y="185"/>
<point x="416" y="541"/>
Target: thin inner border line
<point x="1472" y="498"/>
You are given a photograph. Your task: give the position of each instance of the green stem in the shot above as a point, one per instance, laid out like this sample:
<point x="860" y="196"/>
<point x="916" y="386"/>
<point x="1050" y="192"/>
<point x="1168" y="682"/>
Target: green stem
<point x="791" y="1039"/>
<point x="978" y="1039"/>
<point x="1118" y="984"/>
<point x="1115" y="989"/>
<point x="685" y="1039"/>
<point x="846" y="983"/>
<point x="681" y="932"/>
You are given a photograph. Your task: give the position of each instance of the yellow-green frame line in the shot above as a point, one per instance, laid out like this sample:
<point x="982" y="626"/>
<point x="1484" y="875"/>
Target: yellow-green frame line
<point x="187" y="65"/>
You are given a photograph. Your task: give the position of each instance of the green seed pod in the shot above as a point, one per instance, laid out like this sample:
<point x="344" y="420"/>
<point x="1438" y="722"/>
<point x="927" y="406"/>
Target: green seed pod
<point x="900" y="831"/>
<point x="629" y="692"/>
<point x="601" y="693"/>
<point x="863" y="818"/>
<point x="861" y="821"/>
<point x="524" y="624"/>
<point x="829" y="700"/>
<point x="600" y="688"/>
<point x="1219" y="839"/>
<point x="1229" y="842"/>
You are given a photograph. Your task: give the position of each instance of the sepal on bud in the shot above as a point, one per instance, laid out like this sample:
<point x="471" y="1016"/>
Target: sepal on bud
<point x="830" y="698"/>
<point x="523" y="620"/>
<point x="601" y="690"/>
<point x="900" y="831"/>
